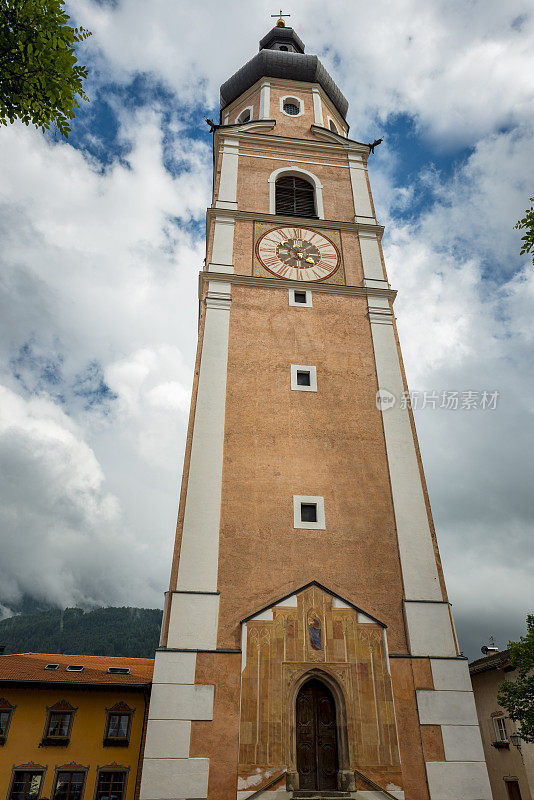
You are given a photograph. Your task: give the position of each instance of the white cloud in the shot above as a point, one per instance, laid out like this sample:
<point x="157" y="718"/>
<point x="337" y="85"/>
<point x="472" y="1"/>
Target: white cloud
<point x="170" y="395"/>
<point x="463" y="312"/>
<point x="517" y="305"/>
<point x="63" y="533"/>
<point x="461" y="69"/>
<point x="152" y="408"/>
<point x="98" y="283"/>
<point x="98" y="251"/>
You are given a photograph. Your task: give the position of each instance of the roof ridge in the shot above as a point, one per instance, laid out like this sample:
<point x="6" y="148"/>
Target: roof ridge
<point x="78" y="656"/>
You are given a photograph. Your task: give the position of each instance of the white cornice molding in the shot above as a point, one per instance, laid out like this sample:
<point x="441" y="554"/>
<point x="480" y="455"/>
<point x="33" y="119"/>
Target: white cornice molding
<point x="276" y="219"/>
<point x="335" y="145"/>
<point x="279" y="283"/>
<point x="324" y="133"/>
<point x="257" y="125"/>
<point x="337" y="138"/>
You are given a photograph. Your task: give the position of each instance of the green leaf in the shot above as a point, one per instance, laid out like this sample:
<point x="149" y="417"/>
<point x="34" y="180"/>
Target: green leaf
<point x="40" y="80"/>
<point x="517" y="695"/>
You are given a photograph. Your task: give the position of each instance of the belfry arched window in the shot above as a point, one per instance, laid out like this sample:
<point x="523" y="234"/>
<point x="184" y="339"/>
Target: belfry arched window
<point x="244" y="116"/>
<point x="295" y="197"/>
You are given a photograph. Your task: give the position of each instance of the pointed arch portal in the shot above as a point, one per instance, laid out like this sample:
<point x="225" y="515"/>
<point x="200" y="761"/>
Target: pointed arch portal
<point x="316" y="732"/>
<point x="310" y="635"/>
<point x="330" y="734"/>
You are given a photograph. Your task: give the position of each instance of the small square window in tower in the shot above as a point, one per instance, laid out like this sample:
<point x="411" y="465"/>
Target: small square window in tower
<point x="295" y="197"/>
<point x="301" y="298"/>
<point x="303" y="378"/>
<point x="308" y="512"/>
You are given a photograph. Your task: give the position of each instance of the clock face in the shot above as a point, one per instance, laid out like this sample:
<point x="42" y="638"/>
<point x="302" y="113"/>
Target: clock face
<point x="298" y="254"/>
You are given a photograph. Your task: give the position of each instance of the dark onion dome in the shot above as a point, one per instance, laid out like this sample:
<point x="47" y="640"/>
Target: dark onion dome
<point x="282" y="56"/>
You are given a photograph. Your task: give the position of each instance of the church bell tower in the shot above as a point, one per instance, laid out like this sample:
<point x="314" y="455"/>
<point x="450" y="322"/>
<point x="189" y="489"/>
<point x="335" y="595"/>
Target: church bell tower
<point x="307" y="645"/>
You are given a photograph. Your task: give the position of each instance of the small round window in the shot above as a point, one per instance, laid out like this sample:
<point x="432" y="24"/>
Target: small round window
<point x="291" y="109"/>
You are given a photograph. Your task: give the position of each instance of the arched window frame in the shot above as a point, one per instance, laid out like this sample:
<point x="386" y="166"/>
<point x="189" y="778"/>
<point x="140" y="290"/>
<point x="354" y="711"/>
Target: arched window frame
<point x="341" y="128"/>
<point x="291" y="98"/>
<point x="334" y="129"/>
<point x="242" y="113"/>
<point x="297" y="172"/>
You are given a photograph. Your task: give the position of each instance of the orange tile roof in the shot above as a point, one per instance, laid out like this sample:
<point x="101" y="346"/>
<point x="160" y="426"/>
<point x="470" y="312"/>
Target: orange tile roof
<point x="31" y="667"/>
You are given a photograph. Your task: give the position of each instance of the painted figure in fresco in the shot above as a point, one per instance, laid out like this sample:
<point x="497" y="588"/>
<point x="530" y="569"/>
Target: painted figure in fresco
<point x="314" y="632"/>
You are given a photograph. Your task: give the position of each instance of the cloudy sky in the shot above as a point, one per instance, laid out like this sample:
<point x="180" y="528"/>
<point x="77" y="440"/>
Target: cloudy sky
<point x="102" y="238"/>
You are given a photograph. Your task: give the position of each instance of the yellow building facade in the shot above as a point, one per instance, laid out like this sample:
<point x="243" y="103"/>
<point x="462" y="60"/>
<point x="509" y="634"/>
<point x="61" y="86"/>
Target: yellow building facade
<point x="72" y="727"/>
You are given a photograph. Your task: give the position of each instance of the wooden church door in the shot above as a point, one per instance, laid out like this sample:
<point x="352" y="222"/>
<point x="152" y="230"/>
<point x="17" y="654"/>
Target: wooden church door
<point x="317" y="761"/>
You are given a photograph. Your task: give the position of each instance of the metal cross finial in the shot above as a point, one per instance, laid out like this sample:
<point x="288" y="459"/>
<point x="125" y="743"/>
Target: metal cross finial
<point x="280" y="18"/>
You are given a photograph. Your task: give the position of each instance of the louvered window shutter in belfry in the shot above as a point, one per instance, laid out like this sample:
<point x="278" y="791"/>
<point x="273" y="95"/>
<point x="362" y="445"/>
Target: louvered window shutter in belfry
<point x="295" y="197"/>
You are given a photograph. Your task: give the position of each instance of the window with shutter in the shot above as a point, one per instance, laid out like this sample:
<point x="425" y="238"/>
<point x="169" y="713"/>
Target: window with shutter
<point x="295" y="197"/>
